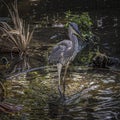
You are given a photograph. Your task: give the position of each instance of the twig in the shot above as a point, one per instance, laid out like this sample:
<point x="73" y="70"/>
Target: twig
<point x="30" y="70"/>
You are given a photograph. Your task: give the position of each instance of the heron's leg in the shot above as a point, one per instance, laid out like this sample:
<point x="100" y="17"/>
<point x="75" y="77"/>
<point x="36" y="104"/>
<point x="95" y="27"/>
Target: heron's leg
<point x="66" y="67"/>
<point x="59" y="67"/>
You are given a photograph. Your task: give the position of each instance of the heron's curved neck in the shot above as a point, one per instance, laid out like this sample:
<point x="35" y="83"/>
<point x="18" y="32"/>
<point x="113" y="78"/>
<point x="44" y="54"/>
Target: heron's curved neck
<point x="74" y="40"/>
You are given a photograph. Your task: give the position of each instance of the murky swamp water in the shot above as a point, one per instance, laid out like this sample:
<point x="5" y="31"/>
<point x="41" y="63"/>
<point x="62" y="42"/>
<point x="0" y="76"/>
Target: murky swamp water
<point x="91" y="94"/>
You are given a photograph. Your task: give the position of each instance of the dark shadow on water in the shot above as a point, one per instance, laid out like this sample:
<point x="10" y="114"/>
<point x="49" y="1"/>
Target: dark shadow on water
<point x="57" y="109"/>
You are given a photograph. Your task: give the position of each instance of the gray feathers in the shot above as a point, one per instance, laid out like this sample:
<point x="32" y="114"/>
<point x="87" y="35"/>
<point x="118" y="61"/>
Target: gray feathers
<point x="61" y="52"/>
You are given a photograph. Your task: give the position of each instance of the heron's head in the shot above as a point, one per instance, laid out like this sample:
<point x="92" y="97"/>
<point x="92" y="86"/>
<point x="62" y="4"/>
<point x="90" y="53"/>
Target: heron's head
<point x="73" y="29"/>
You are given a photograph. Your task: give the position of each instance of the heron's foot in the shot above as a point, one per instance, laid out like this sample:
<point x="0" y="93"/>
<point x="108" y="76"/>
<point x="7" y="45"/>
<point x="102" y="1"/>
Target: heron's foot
<point x="61" y="93"/>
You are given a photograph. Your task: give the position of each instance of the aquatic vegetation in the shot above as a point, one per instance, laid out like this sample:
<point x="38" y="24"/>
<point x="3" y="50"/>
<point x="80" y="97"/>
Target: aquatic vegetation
<point x="32" y="92"/>
<point x="17" y="35"/>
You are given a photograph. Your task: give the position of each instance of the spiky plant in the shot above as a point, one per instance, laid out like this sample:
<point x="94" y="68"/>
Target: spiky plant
<point x="18" y="34"/>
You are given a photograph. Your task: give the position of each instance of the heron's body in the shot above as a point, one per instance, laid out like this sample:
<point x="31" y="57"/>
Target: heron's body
<point x="65" y="51"/>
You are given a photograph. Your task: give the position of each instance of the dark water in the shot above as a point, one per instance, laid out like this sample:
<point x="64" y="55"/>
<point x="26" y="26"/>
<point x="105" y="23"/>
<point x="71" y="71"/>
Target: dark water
<point x="91" y="94"/>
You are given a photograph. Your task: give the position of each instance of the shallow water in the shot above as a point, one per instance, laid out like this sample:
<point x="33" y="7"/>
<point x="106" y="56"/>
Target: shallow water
<point x="89" y="94"/>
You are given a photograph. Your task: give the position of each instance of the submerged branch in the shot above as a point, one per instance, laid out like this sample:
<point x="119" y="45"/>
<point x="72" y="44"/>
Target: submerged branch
<point x="30" y="70"/>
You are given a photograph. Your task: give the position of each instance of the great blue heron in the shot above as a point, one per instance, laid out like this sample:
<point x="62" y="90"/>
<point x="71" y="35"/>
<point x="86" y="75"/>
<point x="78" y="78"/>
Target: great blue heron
<point x="65" y="51"/>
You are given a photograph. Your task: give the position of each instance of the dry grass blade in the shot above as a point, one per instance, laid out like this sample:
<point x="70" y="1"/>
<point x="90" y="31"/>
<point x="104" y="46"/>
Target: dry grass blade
<point x="19" y="35"/>
<point x="10" y="37"/>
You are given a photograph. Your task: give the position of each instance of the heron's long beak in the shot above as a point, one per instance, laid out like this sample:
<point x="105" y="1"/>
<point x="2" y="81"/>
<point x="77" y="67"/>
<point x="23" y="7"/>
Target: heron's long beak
<point x="77" y="32"/>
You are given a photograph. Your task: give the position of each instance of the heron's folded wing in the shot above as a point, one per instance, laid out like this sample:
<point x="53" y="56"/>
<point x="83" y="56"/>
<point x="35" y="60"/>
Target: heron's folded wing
<point x="57" y="53"/>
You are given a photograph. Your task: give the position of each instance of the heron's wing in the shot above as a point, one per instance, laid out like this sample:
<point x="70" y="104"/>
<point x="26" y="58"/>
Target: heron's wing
<point x="66" y="43"/>
<point x="57" y="54"/>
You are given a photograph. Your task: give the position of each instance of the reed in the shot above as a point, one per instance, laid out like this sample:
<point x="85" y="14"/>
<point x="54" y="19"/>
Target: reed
<point x="19" y="34"/>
